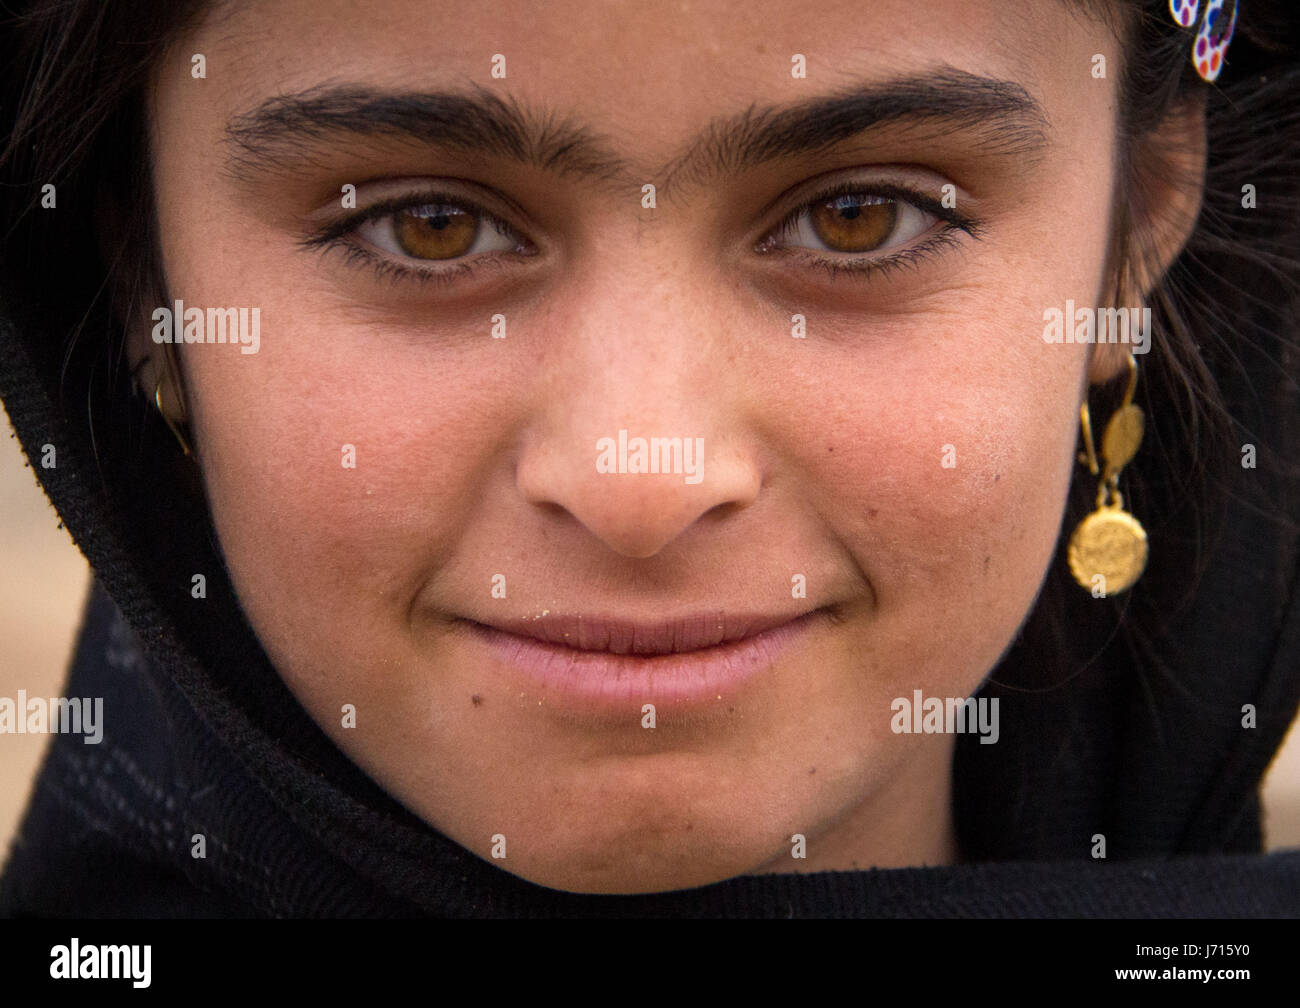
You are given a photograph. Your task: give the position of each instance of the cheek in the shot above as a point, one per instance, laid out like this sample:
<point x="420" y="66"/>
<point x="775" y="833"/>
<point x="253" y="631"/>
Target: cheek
<point x="335" y="480"/>
<point x="945" y="475"/>
<point x="971" y="499"/>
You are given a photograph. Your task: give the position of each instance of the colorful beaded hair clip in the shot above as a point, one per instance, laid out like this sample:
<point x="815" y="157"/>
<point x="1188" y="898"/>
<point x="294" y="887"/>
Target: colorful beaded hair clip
<point x="1213" y="37"/>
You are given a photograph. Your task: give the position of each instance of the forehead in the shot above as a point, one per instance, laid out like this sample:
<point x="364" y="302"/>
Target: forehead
<point x="640" y="75"/>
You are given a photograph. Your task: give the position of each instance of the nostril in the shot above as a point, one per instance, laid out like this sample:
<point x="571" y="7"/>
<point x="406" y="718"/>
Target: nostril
<point x="725" y="510"/>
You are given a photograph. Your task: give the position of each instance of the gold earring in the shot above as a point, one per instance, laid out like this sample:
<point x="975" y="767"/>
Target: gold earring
<point x="157" y="398"/>
<point x="1108" y="550"/>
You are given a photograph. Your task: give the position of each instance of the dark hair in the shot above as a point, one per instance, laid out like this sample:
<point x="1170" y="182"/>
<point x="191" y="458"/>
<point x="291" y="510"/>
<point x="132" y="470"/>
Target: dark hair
<point x="1224" y="314"/>
<point x="1232" y="292"/>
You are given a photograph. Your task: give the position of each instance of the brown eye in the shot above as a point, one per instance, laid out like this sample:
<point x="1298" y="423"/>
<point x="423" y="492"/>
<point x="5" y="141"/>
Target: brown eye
<point x="435" y="232"/>
<point x="853" y="223"/>
<point x="438" y="230"/>
<point x="856" y="223"/>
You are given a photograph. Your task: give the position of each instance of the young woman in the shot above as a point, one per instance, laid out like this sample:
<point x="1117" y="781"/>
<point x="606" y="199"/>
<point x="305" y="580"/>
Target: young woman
<point x="551" y="459"/>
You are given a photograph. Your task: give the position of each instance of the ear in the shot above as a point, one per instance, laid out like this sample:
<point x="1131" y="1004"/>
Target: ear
<point x="1160" y="188"/>
<point x="133" y="300"/>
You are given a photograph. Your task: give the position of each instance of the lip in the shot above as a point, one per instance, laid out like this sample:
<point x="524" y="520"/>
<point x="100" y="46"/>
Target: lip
<point x="597" y="664"/>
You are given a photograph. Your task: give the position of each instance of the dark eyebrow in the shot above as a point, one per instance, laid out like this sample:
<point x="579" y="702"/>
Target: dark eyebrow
<point x="1000" y="114"/>
<point x="477" y="122"/>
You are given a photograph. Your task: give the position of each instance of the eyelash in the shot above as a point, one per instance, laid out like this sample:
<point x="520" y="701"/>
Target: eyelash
<point x="863" y="267"/>
<point x="337" y="237"/>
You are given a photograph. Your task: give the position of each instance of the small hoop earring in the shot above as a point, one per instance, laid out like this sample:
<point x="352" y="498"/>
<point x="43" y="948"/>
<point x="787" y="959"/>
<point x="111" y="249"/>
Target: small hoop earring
<point x="1108" y="550"/>
<point x="157" y="398"/>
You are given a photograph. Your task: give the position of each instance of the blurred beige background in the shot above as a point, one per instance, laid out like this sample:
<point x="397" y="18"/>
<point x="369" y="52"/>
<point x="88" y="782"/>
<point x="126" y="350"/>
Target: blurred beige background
<point x="43" y="582"/>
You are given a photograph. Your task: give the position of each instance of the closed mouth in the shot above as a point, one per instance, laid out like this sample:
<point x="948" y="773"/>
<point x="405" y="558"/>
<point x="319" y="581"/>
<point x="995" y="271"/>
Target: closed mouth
<point x="693" y="632"/>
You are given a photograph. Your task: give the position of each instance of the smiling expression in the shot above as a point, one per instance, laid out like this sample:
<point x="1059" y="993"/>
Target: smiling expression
<point x="835" y="288"/>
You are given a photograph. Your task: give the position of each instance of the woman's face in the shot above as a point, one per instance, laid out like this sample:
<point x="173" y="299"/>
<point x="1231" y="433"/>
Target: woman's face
<point x="409" y="477"/>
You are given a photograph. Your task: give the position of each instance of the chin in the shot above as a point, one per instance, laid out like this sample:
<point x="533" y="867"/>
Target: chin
<point x="647" y="840"/>
<point x="639" y="863"/>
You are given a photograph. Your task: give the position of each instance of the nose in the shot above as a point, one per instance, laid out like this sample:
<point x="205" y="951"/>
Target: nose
<point x="642" y="432"/>
<point x="607" y="483"/>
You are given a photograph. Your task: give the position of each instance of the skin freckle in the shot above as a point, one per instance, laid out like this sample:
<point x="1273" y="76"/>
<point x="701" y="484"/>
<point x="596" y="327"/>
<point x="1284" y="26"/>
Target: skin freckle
<point x="616" y="321"/>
